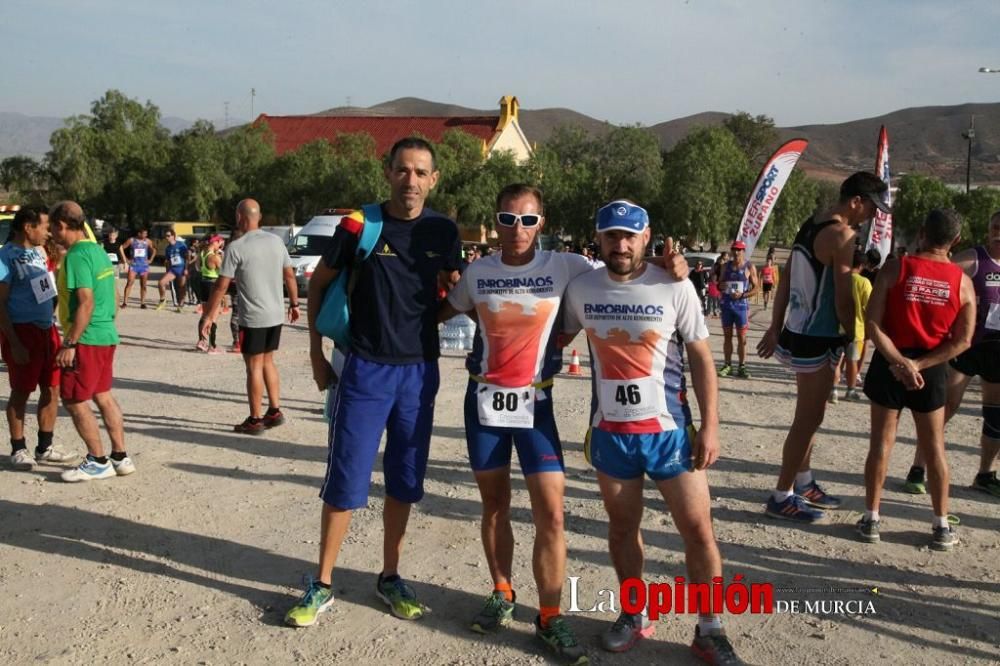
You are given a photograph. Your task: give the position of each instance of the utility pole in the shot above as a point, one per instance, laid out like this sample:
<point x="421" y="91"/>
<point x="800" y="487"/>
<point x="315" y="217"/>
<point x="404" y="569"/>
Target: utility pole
<point x="226" y="107"/>
<point x="253" y="93"/>
<point x="969" y="135"/>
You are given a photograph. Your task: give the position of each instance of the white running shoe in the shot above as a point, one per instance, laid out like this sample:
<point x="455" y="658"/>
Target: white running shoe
<point x="22" y="460"/>
<point x="89" y="470"/>
<point x="123" y="467"/>
<point x="54" y="455"/>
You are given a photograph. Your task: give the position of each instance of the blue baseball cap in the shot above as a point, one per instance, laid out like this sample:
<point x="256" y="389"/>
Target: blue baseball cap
<point x="622" y="215"/>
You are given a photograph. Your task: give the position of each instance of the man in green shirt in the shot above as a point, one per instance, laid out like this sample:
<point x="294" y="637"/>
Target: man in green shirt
<point x="86" y="283"/>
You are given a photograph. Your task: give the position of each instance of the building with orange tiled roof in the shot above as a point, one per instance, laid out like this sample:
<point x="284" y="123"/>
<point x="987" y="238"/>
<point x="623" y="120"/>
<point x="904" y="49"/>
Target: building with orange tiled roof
<point x="498" y="133"/>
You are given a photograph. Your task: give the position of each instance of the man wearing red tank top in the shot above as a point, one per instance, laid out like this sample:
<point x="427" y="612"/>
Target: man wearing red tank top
<point x="982" y="265"/>
<point x="921" y="315"/>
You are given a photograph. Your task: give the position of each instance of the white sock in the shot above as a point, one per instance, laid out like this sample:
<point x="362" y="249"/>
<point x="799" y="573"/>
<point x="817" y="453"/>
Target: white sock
<point x="781" y="495"/>
<point x="940" y="521"/>
<point x="707" y="623"/>
<point x="804" y="478"/>
<point x="871" y="515"/>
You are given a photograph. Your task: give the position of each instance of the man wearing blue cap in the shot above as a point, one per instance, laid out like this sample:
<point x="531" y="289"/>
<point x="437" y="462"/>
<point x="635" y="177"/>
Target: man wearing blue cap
<point x="638" y="322"/>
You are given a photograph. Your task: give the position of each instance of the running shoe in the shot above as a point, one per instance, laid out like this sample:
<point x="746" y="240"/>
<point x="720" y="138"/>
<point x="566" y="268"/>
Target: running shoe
<point x="988" y="483"/>
<point x="161" y="305"/>
<point x="123" y="305"/>
<point x="89" y="470"/>
<point x="142" y="306"/>
<point x="714" y="648"/>
<point x="868" y="530"/>
<point x="794" y="508"/>
<point x="54" y="455"/>
<point x="272" y="419"/>
<point x="179" y="309"/>
<point x="626" y="631"/>
<point x="742" y="372"/>
<point x="198" y="309"/>
<point x="854" y="395"/>
<point x="816" y="497"/>
<point x="250" y="426"/>
<point x="202" y="345"/>
<point x="561" y="640"/>
<point x="914" y="483"/>
<point x="399" y="597"/>
<point x="314" y="601"/>
<point x="215" y="350"/>
<point x="725" y="370"/>
<point x="496" y="613"/>
<point x="123" y="467"/>
<point x="834" y="397"/>
<point x="22" y="460"/>
<point x="944" y="539"/>
<point x="235" y="349"/>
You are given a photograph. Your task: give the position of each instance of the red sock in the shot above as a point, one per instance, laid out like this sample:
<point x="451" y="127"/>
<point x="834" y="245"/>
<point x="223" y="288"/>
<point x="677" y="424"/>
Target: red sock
<point x="547" y="613"/>
<point x="508" y="591"/>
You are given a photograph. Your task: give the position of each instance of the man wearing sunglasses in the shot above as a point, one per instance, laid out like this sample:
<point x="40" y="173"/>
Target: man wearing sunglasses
<point x="639" y="323"/>
<point x="516" y="296"/>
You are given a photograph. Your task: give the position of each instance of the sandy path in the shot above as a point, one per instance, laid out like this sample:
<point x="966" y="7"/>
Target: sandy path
<point x="195" y="558"/>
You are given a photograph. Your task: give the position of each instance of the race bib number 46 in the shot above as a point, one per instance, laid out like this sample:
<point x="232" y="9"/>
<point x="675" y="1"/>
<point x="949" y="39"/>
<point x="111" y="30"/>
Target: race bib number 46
<point x="501" y="407"/>
<point x="631" y="399"/>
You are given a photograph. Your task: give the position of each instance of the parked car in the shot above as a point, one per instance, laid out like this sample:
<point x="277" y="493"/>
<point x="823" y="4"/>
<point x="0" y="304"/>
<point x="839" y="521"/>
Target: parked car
<point x="285" y="232"/>
<point x="306" y="248"/>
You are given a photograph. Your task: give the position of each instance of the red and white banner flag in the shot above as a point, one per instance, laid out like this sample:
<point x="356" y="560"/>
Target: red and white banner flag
<point x="880" y="229"/>
<point x="765" y="192"/>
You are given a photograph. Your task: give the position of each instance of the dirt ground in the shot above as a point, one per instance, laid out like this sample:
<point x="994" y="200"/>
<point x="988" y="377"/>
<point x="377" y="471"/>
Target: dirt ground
<point x="195" y="558"/>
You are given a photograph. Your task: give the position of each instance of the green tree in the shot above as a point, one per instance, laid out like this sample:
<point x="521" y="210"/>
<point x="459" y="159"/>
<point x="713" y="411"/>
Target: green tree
<point x="112" y="160"/>
<point x="196" y="178"/>
<point x="796" y="203"/>
<point x="917" y="196"/>
<point x="976" y="207"/>
<point x="358" y="176"/>
<point x="563" y="167"/>
<point x="24" y="177"/>
<point x="706" y="181"/>
<point x="628" y="165"/>
<point x="296" y="182"/>
<point x="755" y="135"/>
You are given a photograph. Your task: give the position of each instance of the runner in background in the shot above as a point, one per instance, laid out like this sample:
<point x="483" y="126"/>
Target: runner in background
<point x="768" y="277"/>
<point x="142" y="254"/>
<point x="175" y="259"/>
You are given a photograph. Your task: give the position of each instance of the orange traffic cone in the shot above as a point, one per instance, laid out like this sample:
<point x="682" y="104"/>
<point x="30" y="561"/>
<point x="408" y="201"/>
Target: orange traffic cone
<point x="574" y="365"/>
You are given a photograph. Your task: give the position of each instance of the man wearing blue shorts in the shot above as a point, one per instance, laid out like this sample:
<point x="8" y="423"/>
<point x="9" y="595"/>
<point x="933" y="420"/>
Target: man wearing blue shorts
<point x="638" y="323"/>
<point x="175" y="256"/>
<point x="137" y="253"/>
<point x="737" y="282"/>
<point x="390" y="376"/>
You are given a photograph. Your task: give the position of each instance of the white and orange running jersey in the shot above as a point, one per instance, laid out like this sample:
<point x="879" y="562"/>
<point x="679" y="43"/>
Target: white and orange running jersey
<point x="636" y="331"/>
<point x="517" y="308"/>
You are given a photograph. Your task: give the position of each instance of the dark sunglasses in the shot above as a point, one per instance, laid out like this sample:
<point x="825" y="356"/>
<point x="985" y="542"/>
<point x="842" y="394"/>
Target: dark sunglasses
<point x="526" y="220"/>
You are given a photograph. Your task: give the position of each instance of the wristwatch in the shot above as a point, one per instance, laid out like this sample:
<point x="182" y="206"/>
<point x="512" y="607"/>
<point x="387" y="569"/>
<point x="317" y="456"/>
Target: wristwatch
<point x="68" y="345"/>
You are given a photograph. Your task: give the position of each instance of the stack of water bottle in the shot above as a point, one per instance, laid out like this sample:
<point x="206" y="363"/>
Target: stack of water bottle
<point x="457" y="333"/>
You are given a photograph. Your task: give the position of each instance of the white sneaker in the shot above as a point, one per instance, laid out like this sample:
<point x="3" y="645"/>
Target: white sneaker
<point x="89" y="470"/>
<point x="54" y="455"/>
<point x="123" y="467"/>
<point x="22" y="460"/>
<point x="834" y="398"/>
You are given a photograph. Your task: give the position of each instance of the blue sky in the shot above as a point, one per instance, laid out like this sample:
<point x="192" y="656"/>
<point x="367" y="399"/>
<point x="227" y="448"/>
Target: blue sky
<point x="644" y="61"/>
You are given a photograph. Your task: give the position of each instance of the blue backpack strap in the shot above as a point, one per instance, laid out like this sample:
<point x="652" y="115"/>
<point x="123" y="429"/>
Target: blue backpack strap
<point x="371" y="229"/>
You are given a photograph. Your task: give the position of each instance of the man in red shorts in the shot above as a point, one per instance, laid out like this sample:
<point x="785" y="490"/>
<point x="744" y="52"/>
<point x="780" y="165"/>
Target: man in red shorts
<point x="28" y="338"/>
<point x="87" y="313"/>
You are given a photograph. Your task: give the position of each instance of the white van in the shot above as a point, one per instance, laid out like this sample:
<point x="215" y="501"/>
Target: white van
<point x="306" y="248"/>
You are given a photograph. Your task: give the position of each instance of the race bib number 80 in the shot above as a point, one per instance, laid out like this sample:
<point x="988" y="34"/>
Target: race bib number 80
<point x="631" y="399"/>
<point x="501" y="407"/>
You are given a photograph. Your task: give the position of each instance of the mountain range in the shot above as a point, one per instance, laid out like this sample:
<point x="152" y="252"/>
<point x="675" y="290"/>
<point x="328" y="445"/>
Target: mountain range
<point x="927" y="140"/>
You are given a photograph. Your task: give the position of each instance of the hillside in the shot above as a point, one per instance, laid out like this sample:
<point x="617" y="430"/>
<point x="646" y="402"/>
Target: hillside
<point x="925" y="140"/>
